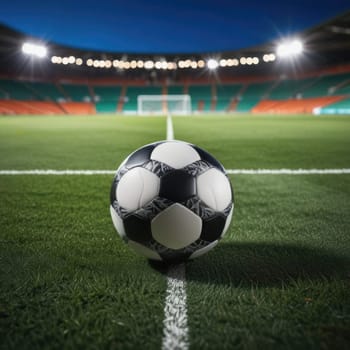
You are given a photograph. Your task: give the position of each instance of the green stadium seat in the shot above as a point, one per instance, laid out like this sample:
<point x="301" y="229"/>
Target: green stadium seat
<point x="78" y="93"/>
<point x="106" y="106"/>
<point x="176" y="90"/>
<point x="252" y="95"/>
<point x="340" y="107"/>
<point x="200" y="94"/>
<point x="45" y="91"/>
<point x="225" y="93"/>
<point x="107" y="98"/>
<point x="16" y="90"/>
<point x="325" y="85"/>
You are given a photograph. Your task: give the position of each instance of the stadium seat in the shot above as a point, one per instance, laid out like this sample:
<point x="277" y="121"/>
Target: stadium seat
<point x="201" y="97"/>
<point x="294" y="106"/>
<point x="252" y="95"/>
<point x="225" y="94"/>
<point x="78" y="93"/>
<point x="339" y="107"/>
<point x="107" y="98"/>
<point x="325" y="85"/>
<point x="15" y="90"/>
<point x="29" y="107"/>
<point x="78" y="107"/>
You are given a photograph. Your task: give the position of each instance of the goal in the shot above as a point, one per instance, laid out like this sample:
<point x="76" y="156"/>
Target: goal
<point x="163" y="104"/>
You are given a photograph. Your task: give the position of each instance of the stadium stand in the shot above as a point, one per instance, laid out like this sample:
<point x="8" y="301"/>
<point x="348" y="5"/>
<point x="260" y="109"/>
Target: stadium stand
<point x="45" y="91"/>
<point x="339" y="107"/>
<point x="15" y="90"/>
<point x="294" y="106"/>
<point x="78" y="107"/>
<point x="29" y="107"/>
<point x="225" y="94"/>
<point x="297" y="95"/>
<point x="107" y="98"/>
<point x="77" y="93"/>
<point x="257" y="79"/>
<point x="252" y="95"/>
<point x="201" y="97"/>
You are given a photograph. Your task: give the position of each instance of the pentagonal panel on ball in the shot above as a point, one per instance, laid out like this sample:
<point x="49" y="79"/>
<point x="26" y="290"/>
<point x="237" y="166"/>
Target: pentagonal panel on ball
<point x="136" y="188"/>
<point x="203" y="250"/>
<point x="177" y="186"/>
<point x="214" y="189"/>
<point x="140" y="156"/>
<point x="137" y="229"/>
<point x="176" y="154"/>
<point x="176" y="227"/>
<point x="142" y="250"/>
<point x="213" y="228"/>
<point x="118" y="223"/>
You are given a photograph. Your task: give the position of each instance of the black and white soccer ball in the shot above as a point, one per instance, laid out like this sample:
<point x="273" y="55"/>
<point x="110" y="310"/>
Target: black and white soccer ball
<point x="171" y="201"/>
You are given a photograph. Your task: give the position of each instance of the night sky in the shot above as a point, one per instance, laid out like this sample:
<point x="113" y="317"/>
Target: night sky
<point x="166" y="26"/>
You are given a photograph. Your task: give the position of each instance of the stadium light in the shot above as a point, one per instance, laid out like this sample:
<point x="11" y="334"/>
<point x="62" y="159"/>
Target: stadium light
<point x="289" y="48"/>
<point x="212" y="64"/>
<point x="34" y="49"/>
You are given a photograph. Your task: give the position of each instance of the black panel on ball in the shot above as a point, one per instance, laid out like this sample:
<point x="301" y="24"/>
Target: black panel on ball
<point x="212" y="229"/>
<point x="177" y="186"/>
<point x="137" y="229"/>
<point x="112" y="195"/>
<point x="171" y="256"/>
<point x="141" y="156"/>
<point x="209" y="158"/>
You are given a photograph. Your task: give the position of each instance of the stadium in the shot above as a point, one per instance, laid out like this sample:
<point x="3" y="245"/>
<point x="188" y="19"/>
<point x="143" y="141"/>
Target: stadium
<point x="275" y="114"/>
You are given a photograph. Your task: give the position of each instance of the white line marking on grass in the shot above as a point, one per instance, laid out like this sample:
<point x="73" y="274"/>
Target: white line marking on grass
<point x="175" y="331"/>
<point x="287" y="171"/>
<point x="175" y="328"/>
<point x="169" y="128"/>
<point x="229" y="171"/>
<point x="56" y="172"/>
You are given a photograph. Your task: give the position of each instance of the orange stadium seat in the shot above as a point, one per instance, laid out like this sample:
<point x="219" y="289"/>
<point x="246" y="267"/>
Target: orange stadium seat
<point x="78" y="107"/>
<point x="293" y="106"/>
<point x="29" y="107"/>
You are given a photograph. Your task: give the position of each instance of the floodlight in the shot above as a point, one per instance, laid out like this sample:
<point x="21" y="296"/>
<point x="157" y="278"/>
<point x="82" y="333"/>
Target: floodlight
<point x="289" y="48"/>
<point x="212" y="63"/>
<point x="34" y="49"/>
<point x="149" y="64"/>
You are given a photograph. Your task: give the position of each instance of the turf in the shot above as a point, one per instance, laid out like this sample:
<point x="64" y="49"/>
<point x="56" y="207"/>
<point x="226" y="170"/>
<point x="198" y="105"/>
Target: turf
<point x="279" y="278"/>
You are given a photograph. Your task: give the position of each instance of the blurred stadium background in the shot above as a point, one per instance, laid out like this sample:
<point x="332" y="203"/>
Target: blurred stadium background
<point x="306" y="73"/>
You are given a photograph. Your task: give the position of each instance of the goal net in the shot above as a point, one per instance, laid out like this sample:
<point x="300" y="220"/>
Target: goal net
<point x="163" y="104"/>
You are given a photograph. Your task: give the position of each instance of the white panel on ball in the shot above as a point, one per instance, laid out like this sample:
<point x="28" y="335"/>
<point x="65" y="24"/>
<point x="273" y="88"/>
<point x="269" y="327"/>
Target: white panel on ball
<point x="214" y="189"/>
<point x="228" y="221"/>
<point x="136" y="188"/>
<point x="142" y="250"/>
<point x="176" y="154"/>
<point x="204" y="250"/>
<point x="117" y="222"/>
<point x="176" y="227"/>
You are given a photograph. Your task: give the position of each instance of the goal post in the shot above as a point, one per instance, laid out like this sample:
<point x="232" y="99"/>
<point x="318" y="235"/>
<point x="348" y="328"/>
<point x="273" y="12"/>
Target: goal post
<point x="163" y="104"/>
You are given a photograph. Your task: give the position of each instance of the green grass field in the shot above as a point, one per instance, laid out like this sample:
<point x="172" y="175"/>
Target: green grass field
<point x="278" y="280"/>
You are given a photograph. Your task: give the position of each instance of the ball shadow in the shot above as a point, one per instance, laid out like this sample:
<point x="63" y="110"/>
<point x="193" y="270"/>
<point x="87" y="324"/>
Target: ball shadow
<point x="262" y="264"/>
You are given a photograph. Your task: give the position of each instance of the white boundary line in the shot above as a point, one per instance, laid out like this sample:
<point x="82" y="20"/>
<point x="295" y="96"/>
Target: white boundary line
<point x="229" y="171"/>
<point x="169" y="128"/>
<point x="287" y="171"/>
<point x="175" y="327"/>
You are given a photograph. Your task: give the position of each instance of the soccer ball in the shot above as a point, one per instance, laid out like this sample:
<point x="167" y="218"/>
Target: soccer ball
<point x="171" y="201"/>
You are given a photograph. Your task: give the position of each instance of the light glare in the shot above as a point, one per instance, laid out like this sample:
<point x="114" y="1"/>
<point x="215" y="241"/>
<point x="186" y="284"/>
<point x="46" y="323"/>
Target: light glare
<point x="212" y="63"/>
<point x="34" y="49"/>
<point x="290" y="48"/>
